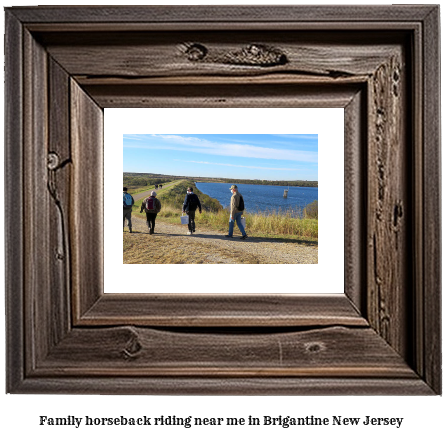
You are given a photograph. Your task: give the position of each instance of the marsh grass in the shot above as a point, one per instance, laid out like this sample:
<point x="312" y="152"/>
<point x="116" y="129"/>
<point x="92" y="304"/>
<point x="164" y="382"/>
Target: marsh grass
<point x="268" y="223"/>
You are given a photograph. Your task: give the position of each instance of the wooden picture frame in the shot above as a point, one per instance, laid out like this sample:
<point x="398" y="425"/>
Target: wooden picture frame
<point x="65" y="64"/>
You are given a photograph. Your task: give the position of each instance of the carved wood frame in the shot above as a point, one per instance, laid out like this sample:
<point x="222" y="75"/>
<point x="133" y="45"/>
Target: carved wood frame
<point x="64" y="65"/>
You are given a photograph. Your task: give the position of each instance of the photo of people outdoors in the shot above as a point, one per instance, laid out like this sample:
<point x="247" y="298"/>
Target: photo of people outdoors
<point x="220" y="199"/>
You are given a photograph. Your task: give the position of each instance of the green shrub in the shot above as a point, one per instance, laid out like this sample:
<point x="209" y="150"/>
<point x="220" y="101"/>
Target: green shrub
<point x="175" y="196"/>
<point x="311" y="210"/>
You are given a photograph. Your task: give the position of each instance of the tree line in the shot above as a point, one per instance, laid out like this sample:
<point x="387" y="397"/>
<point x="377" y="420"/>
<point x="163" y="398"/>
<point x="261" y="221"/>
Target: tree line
<point x="265" y="182"/>
<point x="137" y="181"/>
<point x="148" y="179"/>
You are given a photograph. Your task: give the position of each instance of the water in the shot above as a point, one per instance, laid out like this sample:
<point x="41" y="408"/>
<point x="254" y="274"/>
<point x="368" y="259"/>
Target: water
<point x="263" y="198"/>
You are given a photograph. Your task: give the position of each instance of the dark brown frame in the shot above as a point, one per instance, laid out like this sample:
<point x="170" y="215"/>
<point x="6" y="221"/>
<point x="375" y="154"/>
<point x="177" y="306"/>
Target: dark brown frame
<point x="380" y="63"/>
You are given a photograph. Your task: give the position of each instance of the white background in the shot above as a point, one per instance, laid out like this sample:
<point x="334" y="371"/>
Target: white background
<point x="324" y="277"/>
<point x="19" y="413"/>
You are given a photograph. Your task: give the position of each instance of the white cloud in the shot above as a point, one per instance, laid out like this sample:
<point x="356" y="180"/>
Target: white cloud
<point x="238" y="165"/>
<point x="197" y="145"/>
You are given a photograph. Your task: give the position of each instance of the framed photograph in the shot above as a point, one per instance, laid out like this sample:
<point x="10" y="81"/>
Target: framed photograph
<point x="379" y="332"/>
<point x="279" y="233"/>
<point x="192" y="179"/>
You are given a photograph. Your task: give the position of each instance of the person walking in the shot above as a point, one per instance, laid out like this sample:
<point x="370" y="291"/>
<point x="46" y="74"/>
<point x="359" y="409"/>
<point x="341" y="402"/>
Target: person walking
<point x="128" y="202"/>
<point x="190" y="206"/>
<point x="152" y="206"/>
<point x="237" y="207"/>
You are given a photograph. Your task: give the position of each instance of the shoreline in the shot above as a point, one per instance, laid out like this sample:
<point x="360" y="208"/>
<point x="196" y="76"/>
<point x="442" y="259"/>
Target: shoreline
<point x="295" y="211"/>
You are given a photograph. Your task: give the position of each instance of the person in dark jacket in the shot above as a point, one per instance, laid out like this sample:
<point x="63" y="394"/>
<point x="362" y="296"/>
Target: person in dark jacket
<point x="128" y="202"/>
<point x="152" y="206"/>
<point x="190" y="206"/>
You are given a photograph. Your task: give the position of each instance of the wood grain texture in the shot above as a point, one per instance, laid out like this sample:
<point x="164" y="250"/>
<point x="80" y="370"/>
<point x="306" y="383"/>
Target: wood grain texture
<point x="59" y="168"/>
<point x="37" y="254"/>
<point x="129" y="351"/>
<point x="417" y="357"/>
<point x="355" y="187"/>
<point x="86" y="225"/>
<point x="227" y="96"/>
<point x="205" y="310"/>
<point x="226" y="386"/>
<point x="388" y="204"/>
<point x="72" y="62"/>
<point x="166" y="54"/>
<point x="224" y="14"/>
<point x="14" y="195"/>
<point x="432" y="334"/>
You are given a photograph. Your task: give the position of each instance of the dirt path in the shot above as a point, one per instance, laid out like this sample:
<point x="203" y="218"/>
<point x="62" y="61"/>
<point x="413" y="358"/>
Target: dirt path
<point x="171" y="244"/>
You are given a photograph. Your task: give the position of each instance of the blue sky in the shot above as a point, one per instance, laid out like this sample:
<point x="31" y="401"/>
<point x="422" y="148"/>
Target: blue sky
<point x="242" y="156"/>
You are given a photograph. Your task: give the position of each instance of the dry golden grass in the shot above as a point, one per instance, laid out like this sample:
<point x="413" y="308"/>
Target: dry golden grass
<point x="269" y="224"/>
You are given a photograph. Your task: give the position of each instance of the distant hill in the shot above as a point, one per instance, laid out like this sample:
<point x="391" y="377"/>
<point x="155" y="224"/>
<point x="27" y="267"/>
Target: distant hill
<point x="141" y="179"/>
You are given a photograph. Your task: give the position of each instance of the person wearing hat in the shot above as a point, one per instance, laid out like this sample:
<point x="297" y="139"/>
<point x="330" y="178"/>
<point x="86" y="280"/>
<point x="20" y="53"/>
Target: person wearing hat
<point x="190" y="206"/>
<point x="152" y="206"/>
<point x="236" y="212"/>
<point x="128" y="202"/>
